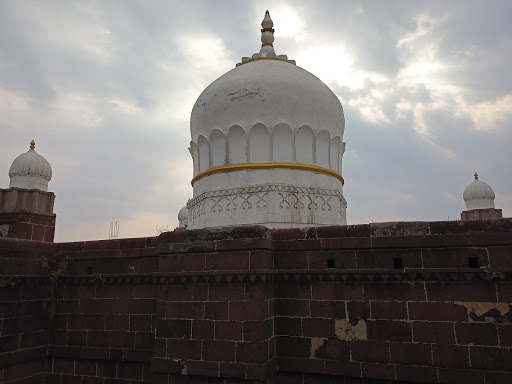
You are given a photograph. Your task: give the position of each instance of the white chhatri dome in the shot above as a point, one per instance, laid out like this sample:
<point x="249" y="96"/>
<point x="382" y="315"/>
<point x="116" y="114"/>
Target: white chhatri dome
<point x="183" y="217"/>
<point x="478" y="195"/>
<point x="30" y="170"/>
<point x="267" y="144"/>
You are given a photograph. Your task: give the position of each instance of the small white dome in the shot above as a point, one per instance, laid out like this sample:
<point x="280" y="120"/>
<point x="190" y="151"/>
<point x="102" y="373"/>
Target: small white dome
<point x="183" y="217"/>
<point x="30" y="170"/>
<point x="183" y="214"/>
<point x="478" y="195"/>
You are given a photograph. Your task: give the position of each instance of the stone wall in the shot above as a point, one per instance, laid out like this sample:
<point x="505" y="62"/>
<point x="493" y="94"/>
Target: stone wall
<point x="27" y="214"/>
<point x="406" y="302"/>
<point x="24" y="310"/>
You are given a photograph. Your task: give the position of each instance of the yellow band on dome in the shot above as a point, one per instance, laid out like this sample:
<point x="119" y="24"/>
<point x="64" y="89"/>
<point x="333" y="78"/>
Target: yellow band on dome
<point x="251" y="166"/>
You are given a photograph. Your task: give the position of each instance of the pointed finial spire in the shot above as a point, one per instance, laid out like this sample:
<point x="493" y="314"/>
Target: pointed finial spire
<point x="267" y="44"/>
<point x="32" y="144"/>
<point x="267" y="34"/>
<point x="476" y="176"/>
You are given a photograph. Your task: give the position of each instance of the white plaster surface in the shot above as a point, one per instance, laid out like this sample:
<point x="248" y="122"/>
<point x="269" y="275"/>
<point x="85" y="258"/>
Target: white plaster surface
<point x="264" y="145"/>
<point x="183" y="217"/>
<point x="276" y="198"/>
<point x="267" y="111"/>
<point x="267" y="92"/>
<point x="30" y="170"/>
<point x="478" y="195"/>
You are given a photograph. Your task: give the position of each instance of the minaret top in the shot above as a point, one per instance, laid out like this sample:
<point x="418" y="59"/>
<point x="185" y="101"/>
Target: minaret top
<point x="267" y="44"/>
<point x="32" y="144"/>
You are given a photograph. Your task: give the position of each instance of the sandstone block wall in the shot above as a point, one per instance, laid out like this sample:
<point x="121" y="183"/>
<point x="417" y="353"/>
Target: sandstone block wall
<point x="400" y="302"/>
<point x="24" y="311"/>
<point x="27" y="214"/>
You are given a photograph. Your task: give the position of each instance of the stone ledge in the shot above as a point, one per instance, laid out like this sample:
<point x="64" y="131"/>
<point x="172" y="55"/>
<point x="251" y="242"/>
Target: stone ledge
<point x="210" y="234"/>
<point x="358" y="275"/>
<point x="99" y="353"/>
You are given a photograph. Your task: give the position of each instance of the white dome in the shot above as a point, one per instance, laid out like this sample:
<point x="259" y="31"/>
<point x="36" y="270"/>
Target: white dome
<point x="267" y="146"/>
<point x="183" y="214"/>
<point x="183" y="217"/>
<point x="30" y="170"/>
<point x="268" y="92"/>
<point x="478" y="195"/>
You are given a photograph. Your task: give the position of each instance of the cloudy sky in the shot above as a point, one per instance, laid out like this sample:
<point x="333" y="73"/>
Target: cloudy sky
<point x="106" y="89"/>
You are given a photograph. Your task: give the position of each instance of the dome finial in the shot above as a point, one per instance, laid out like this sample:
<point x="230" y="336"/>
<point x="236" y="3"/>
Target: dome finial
<point x="32" y="144"/>
<point x="267" y="33"/>
<point x="476" y="176"/>
<point x="267" y="44"/>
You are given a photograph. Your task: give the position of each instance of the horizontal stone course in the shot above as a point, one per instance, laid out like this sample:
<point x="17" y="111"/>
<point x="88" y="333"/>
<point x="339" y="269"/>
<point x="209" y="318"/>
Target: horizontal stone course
<point x="480" y="291"/>
<point x="409" y="373"/>
<point x="377" y="371"/>
<point x="500" y="257"/>
<point x="411" y="353"/>
<point x="450" y="356"/>
<point x="476" y="334"/>
<point x="433" y="332"/>
<point x="370" y="351"/>
<point x="388" y="310"/>
<point x="453" y="257"/>
<point x="491" y="358"/>
<point x="437" y="311"/>
<point x="389" y="330"/>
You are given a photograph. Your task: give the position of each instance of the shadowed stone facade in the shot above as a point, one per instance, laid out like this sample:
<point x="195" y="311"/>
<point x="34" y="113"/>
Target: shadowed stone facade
<point x="27" y="214"/>
<point x="401" y="302"/>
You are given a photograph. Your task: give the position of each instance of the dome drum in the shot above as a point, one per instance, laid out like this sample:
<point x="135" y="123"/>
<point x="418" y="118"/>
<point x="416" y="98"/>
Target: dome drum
<point x="261" y="145"/>
<point x="287" y="199"/>
<point x="267" y="176"/>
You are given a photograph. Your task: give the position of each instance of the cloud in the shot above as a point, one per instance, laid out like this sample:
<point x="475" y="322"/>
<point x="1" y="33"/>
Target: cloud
<point x="491" y="114"/>
<point x="106" y="89"/>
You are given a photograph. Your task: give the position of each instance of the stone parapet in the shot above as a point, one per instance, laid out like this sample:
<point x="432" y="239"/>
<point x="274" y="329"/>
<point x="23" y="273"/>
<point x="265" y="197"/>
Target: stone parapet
<point x="481" y="214"/>
<point x="26" y="200"/>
